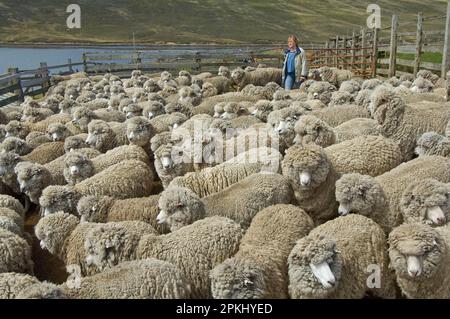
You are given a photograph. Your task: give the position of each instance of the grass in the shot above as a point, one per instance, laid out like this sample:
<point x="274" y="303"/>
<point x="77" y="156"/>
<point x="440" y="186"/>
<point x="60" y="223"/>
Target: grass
<point x="199" y="21"/>
<point x="433" y="57"/>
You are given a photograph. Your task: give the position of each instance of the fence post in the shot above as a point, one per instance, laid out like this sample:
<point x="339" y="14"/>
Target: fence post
<point x="344" y="46"/>
<point x="418" y="42"/>
<point x="70" y="65"/>
<point x="375" y="52"/>
<point x="44" y="74"/>
<point x="85" y="63"/>
<point x="19" y="90"/>
<point x="363" y="52"/>
<point x="336" y="61"/>
<point x="393" y="51"/>
<point x="353" y="47"/>
<point x="446" y="52"/>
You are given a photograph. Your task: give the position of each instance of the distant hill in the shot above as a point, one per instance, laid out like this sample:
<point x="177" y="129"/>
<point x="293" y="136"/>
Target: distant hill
<point x="199" y="21"/>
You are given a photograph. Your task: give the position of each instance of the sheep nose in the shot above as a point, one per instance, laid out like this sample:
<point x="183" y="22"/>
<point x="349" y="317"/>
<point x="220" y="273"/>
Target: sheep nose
<point x="441" y="220"/>
<point x="331" y="282"/>
<point x="413" y="273"/>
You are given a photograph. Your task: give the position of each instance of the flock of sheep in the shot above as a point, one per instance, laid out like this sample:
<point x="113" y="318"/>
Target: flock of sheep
<point x="228" y="186"/>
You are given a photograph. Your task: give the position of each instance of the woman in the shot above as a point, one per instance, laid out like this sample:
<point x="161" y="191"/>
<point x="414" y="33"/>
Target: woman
<point x="295" y="66"/>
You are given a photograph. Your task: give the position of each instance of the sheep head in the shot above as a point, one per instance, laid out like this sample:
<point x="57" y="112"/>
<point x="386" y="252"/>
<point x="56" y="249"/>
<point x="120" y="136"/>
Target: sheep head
<point x="307" y="166"/>
<point x="17" y="129"/>
<point x="77" y="168"/>
<point x="426" y="201"/>
<point x="100" y="135"/>
<point x="315" y="268"/>
<point x="237" y="75"/>
<point x="15" y="145"/>
<point x="57" y="198"/>
<point x="224" y="71"/>
<point x="427" y="143"/>
<point x="74" y="143"/>
<point x="359" y="194"/>
<point x="94" y="208"/>
<point x="311" y="130"/>
<point x="179" y="206"/>
<point x="81" y="117"/>
<point x="58" y="132"/>
<point x="218" y="109"/>
<point x="208" y="90"/>
<point x="416" y="251"/>
<point x="32" y="179"/>
<point x="386" y="107"/>
<point x="230" y="110"/>
<point x="7" y="163"/>
<point x="139" y="131"/>
<point x="53" y="231"/>
<point x="238" y="279"/>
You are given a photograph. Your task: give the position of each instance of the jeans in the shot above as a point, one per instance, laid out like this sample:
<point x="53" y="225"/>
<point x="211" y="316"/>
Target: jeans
<point x="289" y="82"/>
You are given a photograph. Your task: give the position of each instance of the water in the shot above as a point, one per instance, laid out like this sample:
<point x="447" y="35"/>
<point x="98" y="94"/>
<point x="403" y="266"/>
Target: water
<point x="26" y="58"/>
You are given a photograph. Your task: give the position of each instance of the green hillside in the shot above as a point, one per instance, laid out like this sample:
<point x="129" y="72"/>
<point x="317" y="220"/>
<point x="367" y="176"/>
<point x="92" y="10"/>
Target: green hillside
<point x="199" y="21"/>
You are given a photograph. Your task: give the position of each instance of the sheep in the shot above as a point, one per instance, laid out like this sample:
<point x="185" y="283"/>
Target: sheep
<point x="151" y="109"/>
<point x="15" y="253"/>
<point x="309" y="129"/>
<point x="431" y="143"/>
<point x="58" y="132"/>
<point x="419" y="256"/>
<point x="387" y="189"/>
<point x="335" y="116"/>
<point x="262" y="110"/>
<point x="214" y="179"/>
<point x="224" y="71"/>
<point x="404" y="124"/>
<point x="340" y="98"/>
<point x="15" y="285"/>
<point x="35" y="114"/>
<point x="263" y="92"/>
<point x="208" y="90"/>
<point x="15" y="145"/>
<point x="171" y="161"/>
<point x="185" y="108"/>
<point x="104" y="136"/>
<point x="314" y="178"/>
<point x="21" y="129"/>
<point x="282" y="122"/>
<point x="261" y="76"/>
<point x="78" y="166"/>
<point x="103" y="209"/>
<point x="371" y="84"/>
<point x="350" y="86"/>
<point x="426" y="201"/>
<point x="184" y="78"/>
<point x="428" y="75"/>
<point x="82" y="116"/>
<point x="354" y="128"/>
<point x="220" y="239"/>
<point x="447" y="129"/>
<point x="259" y="268"/>
<point x="322" y="91"/>
<point x="239" y="202"/>
<point x="12" y="203"/>
<point x="167" y="122"/>
<point x="64" y="236"/>
<point x="421" y="85"/>
<point x="75" y="142"/>
<point x="335" y="260"/>
<point x="127" y="179"/>
<point x="220" y="83"/>
<point x="139" y="279"/>
<point x="334" y="76"/>
<point x="207" y="105"/>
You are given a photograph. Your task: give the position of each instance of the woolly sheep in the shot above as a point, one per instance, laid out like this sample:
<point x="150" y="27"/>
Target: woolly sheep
<point x="151" y="109"/>
<point x="78" y="166"/>
<point x="334" y="261"/>
<point x="220" y="239"/>
<point x="139" y="279"/>
<point x="404" y="124"/>
<point x="35" y="114"/>
<point x="15" y="145"/>
<point x="431" y="143"/>
<point x="21" y="129"/>
<point x="334" y="75"/>
<point x="426" y="201"/>
<point x="259" y="268"/>
<point x="419" y="256"/>
<point x="340" y="98"/>
<point x="421" y="85"/>
<point x="313" y="177"/>
<point x="12" y="203"/>
<point x="127" y="179"/>
<point x="207" y="105"/>
<point x="167" y="122"/>
<point x="103" y="209"/>
<point x="239" y="202"/>
<point x="221" y="83"/>
<point x="224" y="71"/>
<point x="321" y="91"/>
<point x="282" y="122"/>
<point x="388" y="188"/>
<point x="261" y="76"/>
<point x="309" y="129"/>
<point x="75" y="142"/>
<point x="172" y="161"/>
<point x="350" y="86"/>
<point x="208" y="90"/>
<point x="262" y="110"/>
<point x="15" y="253"/>
<point x="335" y="116"/>
<point x="104" y="136"/>
<point x="63" y="236"/>
<point x="354" y="128"/>
<point x="15" y="285"/>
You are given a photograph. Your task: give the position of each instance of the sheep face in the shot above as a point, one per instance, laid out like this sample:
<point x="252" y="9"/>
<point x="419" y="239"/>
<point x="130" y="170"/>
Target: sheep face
<point x="154" y="109"/>
<point x="179" y="207"/>
<point x="230" y="111"/>
<point x="307" y="166"/>
<point x="102" y="245"/>
<point x="77" y="168"/>
<point x="92" y="208"/>
<point x="386" y="106"/>
<point x="7" y="163"/>
<point x="426" y="201"/>
<point x="315" y="268"/>
<point x="224" y="71"/>
<point x="151" y="86"/>
<point x="99" y="135"/>
<point x="358" y="194"/>
<point x="82" y="116"/>
<point x="311" y="130"/>
<point x="57" y="132"/>
<point x="139" y="131"/>
<point x="56" y="198"/>
<point x="238" y="279"/>
<point x="15" y="145"/>
<point x="32" y="114"/>
<point x="218" y="109"/>
<point x="9" y="225"/>
<point x="132" y="110"/>
<point x="427" y="143"/>
<point x="321" y="91"/>
<point x="237" y="75"/>
<point x="17" y="129"/>
<point x="64" y="106"/>
<point x="74" y="143"/>
<point x="415" y="251"/>
<point x="52" y="231"/>
<point x="208" y="90"/>
<point x="32" y="179"/>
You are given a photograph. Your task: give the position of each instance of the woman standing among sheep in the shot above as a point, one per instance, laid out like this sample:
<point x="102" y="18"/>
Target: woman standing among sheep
<point x="295" y="66"/>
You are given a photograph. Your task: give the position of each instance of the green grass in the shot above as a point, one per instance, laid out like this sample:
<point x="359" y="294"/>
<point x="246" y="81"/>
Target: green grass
<point x="201" y="21"/>
<point x="433" y="57"/>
